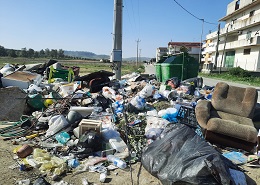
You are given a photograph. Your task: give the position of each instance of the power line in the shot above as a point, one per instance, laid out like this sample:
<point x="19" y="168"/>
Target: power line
<point x="138" y="9"/>
<point x="193" y="14"/>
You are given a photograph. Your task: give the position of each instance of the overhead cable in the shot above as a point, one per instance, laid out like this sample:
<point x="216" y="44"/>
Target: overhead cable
<point x="203" y="20"/>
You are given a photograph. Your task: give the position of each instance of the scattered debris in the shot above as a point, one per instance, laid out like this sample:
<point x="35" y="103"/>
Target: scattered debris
<point x="65" y="123"/>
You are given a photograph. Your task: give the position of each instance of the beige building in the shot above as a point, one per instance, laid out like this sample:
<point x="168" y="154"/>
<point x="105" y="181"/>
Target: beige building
<point x="239" y="40"/>
<point x="175" y="47"/>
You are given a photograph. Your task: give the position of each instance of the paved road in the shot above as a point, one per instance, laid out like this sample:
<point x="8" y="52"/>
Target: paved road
<point x="150" y="69"/>
<point x="213" y="82"/>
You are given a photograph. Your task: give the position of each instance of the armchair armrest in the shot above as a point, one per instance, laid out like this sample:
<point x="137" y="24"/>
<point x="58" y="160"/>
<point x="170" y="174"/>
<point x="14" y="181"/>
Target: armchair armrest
<point x="202" y="111"/>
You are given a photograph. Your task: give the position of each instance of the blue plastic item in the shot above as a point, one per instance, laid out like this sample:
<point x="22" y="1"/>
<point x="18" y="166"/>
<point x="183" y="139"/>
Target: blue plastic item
<point x="62" y="137"/>
<point x="73" y="163"/>
<point x="236" y="157"/>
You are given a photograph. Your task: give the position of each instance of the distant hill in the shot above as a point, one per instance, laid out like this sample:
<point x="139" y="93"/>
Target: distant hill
<point x="85" y="54"/>
<point x="90" y="55"/>
<point x="141" y="59"/>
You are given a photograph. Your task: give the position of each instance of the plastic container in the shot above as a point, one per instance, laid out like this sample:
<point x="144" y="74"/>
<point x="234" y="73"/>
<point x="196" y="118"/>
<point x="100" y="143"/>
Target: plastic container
<point x="118" y="144"/>
<point x="36" y="101"/>
<point x="116" y="161"/>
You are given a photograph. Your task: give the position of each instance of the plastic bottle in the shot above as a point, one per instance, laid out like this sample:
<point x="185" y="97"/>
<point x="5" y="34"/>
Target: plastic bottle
<point x="116" y="161"/>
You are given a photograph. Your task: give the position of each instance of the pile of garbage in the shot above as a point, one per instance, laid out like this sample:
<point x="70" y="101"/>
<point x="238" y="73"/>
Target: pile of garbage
<point x="64" y="122"/>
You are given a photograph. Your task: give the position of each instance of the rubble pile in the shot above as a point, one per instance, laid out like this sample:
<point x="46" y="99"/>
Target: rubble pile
<point x="60" y="122"/>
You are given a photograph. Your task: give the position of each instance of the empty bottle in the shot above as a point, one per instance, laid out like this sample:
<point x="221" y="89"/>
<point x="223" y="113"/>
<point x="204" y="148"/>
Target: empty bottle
<point x="116" y="161"/>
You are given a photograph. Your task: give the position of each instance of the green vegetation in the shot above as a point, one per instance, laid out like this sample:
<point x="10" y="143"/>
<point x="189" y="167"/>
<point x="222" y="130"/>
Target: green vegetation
<point x="236" y="74"/>
<point x="86" y="66"/>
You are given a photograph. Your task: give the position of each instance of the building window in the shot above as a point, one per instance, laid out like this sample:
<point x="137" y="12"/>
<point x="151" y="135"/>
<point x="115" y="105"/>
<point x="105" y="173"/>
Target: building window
<point x="237" y="5"/>
<point x="248" y="35"/>
<point x="247" y="51"/>
<point x="251" y="13"/>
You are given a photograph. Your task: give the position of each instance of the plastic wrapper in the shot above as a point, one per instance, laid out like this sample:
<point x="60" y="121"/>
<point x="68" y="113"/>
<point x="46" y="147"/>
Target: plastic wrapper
<point x="182" y="156"/>
<point x="147" y="91"/>
<point x="138" y="102"/>
<point x="56" y="123"/>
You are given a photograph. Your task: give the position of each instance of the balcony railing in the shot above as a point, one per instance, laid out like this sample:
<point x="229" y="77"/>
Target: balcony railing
<point x="240" y="43"/>
<point x="237" y="26"/>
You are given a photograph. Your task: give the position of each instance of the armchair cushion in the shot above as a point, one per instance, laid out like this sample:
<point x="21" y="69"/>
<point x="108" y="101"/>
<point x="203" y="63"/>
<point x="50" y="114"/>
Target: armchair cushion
<point x="232" y="129"/>
<point x="202" y="111"/>
<point x="234" y="100"/>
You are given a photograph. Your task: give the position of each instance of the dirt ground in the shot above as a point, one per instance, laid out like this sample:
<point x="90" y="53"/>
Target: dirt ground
<point x="11" y="176"/>
<point x="123" y="177"/>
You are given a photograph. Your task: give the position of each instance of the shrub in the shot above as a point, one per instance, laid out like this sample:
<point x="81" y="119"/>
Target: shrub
<point x="239" y="72"/>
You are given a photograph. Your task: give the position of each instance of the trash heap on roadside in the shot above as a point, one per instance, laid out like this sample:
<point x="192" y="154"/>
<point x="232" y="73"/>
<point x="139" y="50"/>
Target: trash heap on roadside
<point x="61" y="122"/>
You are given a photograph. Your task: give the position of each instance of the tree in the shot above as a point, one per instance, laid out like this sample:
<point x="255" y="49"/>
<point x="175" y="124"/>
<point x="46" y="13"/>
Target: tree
<point x="184" y="49"/>
<point x="30" y="53"/>
<point x="54" y="53"/>
<point x="11" y="53"/>
<point x="60" y="53"/>
<point x="24" y="52"/>
<point x="36" y="54"/>
<point x="47" y="52"/>
<point x="3" y="52"/>
<point x="42" y="53"/>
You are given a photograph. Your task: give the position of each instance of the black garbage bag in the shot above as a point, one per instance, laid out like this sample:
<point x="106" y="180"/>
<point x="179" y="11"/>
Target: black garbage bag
<point x="183" y="156"/>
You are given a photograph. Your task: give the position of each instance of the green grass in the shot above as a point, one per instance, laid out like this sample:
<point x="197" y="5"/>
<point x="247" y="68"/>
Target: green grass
<point x="254" y="81"/>
<point x="86" y="66"/>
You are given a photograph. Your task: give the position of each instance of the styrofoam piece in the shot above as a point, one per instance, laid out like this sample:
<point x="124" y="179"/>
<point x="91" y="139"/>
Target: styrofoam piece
<point x="76" y="132"/>
<point x="21" y="79"/>
<point x="118" y="144"/>
<point x="84" y="111"/>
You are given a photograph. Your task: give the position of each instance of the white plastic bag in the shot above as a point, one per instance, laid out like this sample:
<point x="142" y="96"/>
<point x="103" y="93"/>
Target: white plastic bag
<point x="56" y="123"/>
<point x="147" y="91"/>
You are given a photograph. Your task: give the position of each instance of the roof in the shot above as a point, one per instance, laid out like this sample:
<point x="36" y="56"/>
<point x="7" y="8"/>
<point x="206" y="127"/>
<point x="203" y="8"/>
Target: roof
<point x="162" y="48"/>
<point x="186" y="44"/>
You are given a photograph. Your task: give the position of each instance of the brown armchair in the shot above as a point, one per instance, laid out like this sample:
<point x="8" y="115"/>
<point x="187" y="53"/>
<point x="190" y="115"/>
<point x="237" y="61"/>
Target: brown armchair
<point x="227" y="119"/>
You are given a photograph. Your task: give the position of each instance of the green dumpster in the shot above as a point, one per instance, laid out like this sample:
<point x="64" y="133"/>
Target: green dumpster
<point x="158" y="72"/>
<point x="181" y="66"/>
<point x="171" y="70"/>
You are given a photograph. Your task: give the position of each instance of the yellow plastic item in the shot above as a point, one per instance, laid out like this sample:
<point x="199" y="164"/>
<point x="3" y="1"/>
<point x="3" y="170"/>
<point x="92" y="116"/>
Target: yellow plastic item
<point x="31" y="136"/>
<point x="47" y="102"/>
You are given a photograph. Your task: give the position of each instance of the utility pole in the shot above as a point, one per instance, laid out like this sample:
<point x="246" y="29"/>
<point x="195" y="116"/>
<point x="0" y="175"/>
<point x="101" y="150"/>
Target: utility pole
<point x="140" y="54"/>
<point x="222" y="57"/>
<point x="137" y="42"/>
<point x="201" y="39"/>
<point x="117" y="42"/>
<point x="216" y="55"/>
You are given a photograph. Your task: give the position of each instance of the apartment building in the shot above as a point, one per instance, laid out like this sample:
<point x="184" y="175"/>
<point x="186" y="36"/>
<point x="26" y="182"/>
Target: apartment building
<point x="160" y="52"/>
<point x="175" y="47"/>
<point x="239" y="40"/>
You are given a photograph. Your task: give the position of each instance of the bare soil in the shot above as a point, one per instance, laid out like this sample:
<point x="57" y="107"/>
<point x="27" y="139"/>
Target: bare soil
<point x="123" y="177"/>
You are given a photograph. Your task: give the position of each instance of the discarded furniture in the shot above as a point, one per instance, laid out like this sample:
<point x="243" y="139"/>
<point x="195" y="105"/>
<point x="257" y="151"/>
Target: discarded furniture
<point x="227" y="119"/>
<point x="21" y="79"/>
<point x="96" y="80"/>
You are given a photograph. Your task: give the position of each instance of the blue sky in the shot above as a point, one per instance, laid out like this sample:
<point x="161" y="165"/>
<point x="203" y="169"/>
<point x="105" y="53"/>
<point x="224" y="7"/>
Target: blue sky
<point x="87" y="25"/>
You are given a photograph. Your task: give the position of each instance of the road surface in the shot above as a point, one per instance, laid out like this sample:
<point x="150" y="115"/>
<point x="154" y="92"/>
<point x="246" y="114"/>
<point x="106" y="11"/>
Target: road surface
<point x="150" y="69"/>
